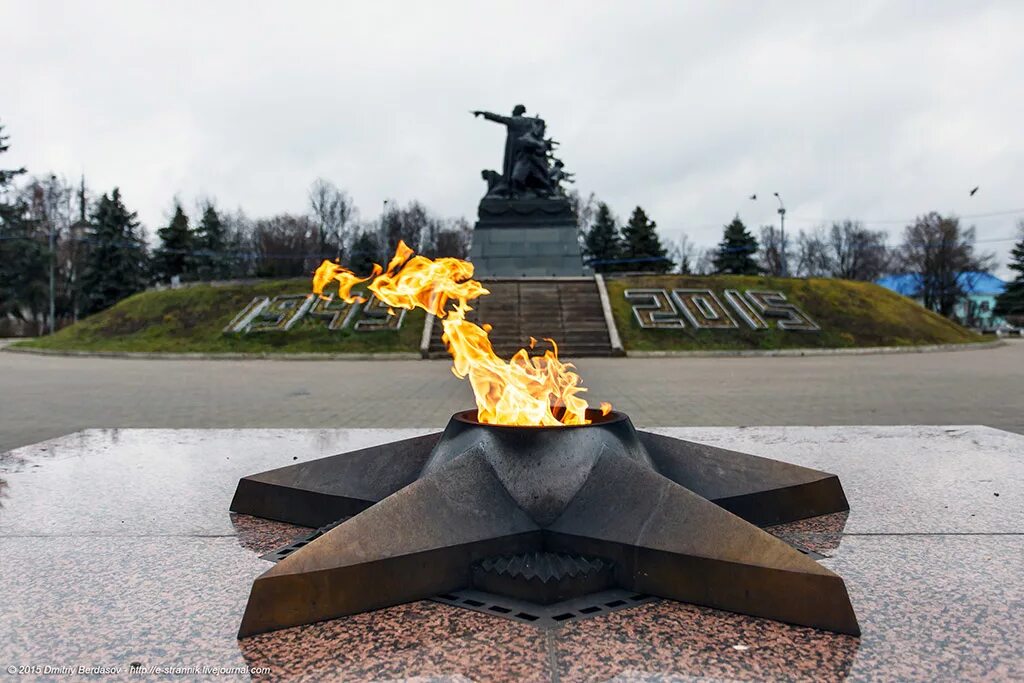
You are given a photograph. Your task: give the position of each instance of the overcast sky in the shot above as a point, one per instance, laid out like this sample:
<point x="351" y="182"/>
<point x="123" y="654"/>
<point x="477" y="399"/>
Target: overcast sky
<point x="868" y="110"/>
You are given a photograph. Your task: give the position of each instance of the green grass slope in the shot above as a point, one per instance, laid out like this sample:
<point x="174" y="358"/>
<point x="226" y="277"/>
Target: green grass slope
<point x="850" y="314"/>
<point x="190" y="320"/>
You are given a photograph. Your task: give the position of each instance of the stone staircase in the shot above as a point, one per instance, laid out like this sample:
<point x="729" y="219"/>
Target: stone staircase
<point x="567" y="310"/>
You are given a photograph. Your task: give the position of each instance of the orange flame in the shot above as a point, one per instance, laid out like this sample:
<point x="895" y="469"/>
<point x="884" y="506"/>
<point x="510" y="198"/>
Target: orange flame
<point x="526" y="390"/>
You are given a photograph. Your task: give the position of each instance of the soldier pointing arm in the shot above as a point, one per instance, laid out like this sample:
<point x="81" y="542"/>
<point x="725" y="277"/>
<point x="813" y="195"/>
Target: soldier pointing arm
<point x="517" y="125"/>
<point x="518" y="111"/>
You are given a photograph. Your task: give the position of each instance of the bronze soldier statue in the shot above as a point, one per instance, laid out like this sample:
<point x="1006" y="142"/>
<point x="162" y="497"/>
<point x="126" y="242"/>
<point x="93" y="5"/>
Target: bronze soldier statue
<point x="526" y="192"/>
<point x="517" y="125"/>
<point x="526" y="167"/>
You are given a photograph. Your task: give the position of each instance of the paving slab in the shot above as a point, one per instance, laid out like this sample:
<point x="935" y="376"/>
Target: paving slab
<point x="119" y="549"/>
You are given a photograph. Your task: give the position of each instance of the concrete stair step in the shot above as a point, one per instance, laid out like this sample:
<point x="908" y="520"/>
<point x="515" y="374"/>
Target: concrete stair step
<point x="567" y="311"/>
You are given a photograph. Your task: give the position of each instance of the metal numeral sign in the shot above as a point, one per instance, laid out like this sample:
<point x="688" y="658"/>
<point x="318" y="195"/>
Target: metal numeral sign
<point x="282" y="313"/>
<point x="653" y="309"/>
<point x="787" y="316"/>
<point x="377" y="316"/>
<point x="657" y="309"/>
<point x="703" y="309"/>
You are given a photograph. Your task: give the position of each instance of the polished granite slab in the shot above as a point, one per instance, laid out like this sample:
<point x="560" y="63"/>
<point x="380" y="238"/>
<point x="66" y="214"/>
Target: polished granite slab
<point x="117" y="550"/>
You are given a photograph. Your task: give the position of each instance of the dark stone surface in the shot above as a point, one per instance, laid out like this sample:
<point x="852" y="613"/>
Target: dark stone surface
<point x="668" y="541"/>
<point x="760" y="490"/>
<point x="124" y="552"/>
<point x="543" y="578"/>
<point x="521" y="213"/>
<point x="541" y="468"/>
<point x="589" y="490"/>
<point x="526" y="237"/>
<point x="414" y="544"/>
<point x="319" y="492"/>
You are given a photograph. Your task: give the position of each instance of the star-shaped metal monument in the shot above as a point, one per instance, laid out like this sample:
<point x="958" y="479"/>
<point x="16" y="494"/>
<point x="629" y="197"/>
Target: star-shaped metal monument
<point x="674" y="518"/>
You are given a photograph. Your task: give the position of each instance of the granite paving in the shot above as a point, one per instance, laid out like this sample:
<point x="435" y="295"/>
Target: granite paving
<point x="118" y="551"/>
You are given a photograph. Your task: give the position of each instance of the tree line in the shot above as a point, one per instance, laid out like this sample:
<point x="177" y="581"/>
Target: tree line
<point x="97" y="252"/>
<point x="610" y="247"/>
<point x="64" y="246"/>
<point x="936" y="249"/>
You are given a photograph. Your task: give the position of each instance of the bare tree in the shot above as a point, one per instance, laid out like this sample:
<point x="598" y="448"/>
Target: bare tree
<point x="240" y="243"/>
<point x="771" y="253"/>
<point x="683" y="253"/>
<point x="51" y="213"/>
<point x="412" y="224"/>
<point x="453" y="239"/>
<point x="332" y="211"/>
<point x="856" y="252"/>
<point x="941" y="254"/>
<point x="422" y="230"/>
<point x="704" y="263"/>
<point x="286" y="245"/>
<point x="431" y="230"/>
<point x="585" y="210"/>
<point x="845" y="250"/>
<point x="812" y="257"/>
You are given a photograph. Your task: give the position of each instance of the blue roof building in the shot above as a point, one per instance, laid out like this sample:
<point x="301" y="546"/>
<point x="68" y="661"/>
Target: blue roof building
<point x="975" y="310"/>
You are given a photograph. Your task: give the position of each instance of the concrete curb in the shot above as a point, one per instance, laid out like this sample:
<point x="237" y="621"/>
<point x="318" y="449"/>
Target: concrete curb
<point x="215" y="356"/>
<point x="609" y="317"/>
<point x="411" y="355"/>
<point x="797" y="353"/>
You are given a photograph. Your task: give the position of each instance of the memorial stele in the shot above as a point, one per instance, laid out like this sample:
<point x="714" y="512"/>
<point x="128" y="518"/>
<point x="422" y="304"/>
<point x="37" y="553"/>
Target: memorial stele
<point x="526" y="226"/>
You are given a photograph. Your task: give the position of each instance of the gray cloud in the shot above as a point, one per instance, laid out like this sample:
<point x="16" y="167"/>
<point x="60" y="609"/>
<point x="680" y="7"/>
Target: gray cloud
<point x="877" y="111"/>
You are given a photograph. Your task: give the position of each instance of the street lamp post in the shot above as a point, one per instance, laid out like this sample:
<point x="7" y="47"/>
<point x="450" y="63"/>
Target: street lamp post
<point x="53" y="279"/>
<point x="782" y="236"/>
<point x="52" y="220"/>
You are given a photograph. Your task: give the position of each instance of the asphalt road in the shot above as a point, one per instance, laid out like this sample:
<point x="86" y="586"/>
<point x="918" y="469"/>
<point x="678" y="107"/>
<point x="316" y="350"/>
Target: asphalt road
<point x="43" y="396"/>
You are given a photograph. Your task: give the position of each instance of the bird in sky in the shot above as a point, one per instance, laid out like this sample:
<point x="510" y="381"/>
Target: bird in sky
<point x="753" y="196"/>
<point x="976" y="188"/>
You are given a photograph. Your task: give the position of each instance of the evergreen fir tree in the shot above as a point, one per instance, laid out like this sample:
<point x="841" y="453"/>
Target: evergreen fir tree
<point x="211" y="262"/>
<point x="1010" y="304"/>
<point x="735" y="254"/>
<point x="640" y="241"/>
<point x="116" y="263"/>
<point x="174" y="255"/>
<point x="365" y="252"/>
<point x="24" y="254"/>
<point x="602" y="241"/>
<point x="6" y="176"/>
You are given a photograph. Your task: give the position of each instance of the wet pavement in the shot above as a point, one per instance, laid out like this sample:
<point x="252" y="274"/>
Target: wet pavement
<point x="42" y="397"/>
<point x="118" y="551"/>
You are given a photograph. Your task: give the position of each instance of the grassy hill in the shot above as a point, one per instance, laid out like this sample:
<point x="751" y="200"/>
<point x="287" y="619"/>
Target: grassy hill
<point x="191" y="320"/>
<point x="850" y="314"/>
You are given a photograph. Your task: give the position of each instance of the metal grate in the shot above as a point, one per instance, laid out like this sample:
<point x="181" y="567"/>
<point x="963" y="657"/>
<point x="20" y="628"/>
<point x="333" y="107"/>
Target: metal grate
<point x="543" y="566"/>
<point x="545" y="616"/>
<point x="281" y="553"/>
<point x="809" y="553"/>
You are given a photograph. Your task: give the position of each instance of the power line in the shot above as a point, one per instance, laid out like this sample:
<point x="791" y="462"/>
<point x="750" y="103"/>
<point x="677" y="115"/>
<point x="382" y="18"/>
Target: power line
<point x="906" y="221"/>
<point x="189" y="252"/>
<point x="998" y="239"/>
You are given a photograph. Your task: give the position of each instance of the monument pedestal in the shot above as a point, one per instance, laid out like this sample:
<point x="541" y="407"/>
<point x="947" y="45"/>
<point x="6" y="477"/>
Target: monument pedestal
<point x="526" y="238"/>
